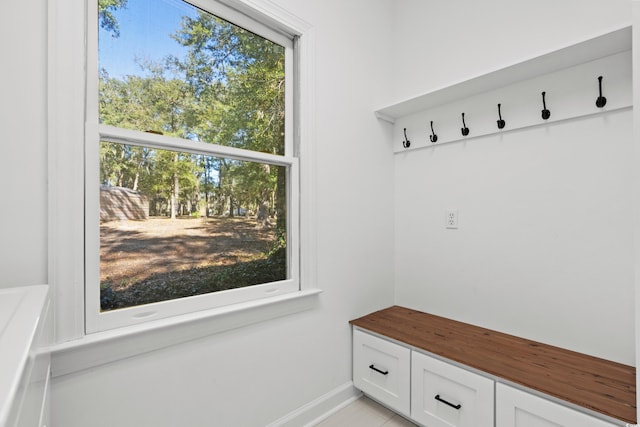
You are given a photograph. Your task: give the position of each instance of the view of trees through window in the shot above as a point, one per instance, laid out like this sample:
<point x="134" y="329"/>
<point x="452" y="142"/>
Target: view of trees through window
<point x="178" y="223"/>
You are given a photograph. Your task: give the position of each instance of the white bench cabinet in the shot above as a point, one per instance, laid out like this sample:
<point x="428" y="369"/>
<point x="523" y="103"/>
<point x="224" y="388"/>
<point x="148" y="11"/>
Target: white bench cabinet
<point x="516" y="408"/>
<point x="381" y="369"/>
<point x="448" y="371"/>
<point x="444" y="395"/>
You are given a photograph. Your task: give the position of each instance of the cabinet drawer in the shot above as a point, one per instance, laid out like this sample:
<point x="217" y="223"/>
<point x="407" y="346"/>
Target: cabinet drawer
<point x="444" y="395"/>
<point x="381" y="369"/>
<point x="515" y="408"/>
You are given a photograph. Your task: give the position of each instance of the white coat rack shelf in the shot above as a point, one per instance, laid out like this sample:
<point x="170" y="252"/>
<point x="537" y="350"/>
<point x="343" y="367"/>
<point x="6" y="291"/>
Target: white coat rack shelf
<point x="587" y="78"/>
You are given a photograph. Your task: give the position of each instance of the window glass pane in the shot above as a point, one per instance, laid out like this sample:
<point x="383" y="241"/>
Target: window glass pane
<point x="175" y="224"/>
<point x="168" y="67"/>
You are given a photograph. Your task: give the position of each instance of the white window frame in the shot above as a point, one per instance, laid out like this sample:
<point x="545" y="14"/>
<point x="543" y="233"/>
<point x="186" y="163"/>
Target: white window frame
<point x="69" y="81"/>
<point x="97" y="320"/>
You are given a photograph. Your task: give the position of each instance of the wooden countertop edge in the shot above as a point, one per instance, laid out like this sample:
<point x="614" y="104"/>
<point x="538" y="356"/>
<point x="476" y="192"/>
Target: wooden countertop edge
<point x="608" y="387"/>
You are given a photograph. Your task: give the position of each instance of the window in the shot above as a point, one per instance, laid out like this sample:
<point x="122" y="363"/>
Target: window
<point x="192" y="183"/>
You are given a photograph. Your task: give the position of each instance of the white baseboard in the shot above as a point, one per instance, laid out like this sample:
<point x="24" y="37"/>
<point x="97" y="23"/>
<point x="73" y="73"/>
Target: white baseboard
<point x="319" y="409"/>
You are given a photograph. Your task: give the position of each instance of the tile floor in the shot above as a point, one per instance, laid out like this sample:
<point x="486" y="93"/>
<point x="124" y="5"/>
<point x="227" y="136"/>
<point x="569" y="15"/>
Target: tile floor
<point x="364" y="412"/>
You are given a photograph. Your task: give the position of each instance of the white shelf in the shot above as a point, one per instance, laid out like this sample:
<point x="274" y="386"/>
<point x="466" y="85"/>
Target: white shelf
<point x="605" y="45"/>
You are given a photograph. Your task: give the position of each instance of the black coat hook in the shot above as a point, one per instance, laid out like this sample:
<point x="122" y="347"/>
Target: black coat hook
<point x="601" y="101"/>
<point x="433" y="137"/>
<point x="464" y="129"/>
<point x="406" y="143"/>
<point x="545" y="113"/>
<point x="501" y="123"/>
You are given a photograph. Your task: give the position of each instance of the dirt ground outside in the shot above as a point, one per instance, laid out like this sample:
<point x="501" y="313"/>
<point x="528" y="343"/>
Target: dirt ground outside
<point x="159" y="258"/>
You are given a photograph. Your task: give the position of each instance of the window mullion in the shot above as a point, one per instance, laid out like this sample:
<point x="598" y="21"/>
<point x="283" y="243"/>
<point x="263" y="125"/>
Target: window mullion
<point x="152" y="140"/>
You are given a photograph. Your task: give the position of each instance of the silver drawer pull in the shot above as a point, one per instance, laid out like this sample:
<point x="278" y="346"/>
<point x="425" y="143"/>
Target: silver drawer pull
<point x="438" y="398"/>
<point x="378" y="370"/>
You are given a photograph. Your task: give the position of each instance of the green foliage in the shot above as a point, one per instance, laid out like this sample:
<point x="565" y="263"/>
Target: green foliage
<point x="105" y="15"/>
<point x="228" y="89"/>
<point x="242" y="71"/>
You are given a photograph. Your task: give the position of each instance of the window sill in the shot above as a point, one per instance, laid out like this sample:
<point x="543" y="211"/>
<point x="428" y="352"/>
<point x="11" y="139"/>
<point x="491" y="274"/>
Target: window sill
<point x="105" y="347"/>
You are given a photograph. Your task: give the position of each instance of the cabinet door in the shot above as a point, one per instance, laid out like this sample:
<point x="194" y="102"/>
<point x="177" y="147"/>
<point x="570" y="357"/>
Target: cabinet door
<point x="381" y="369"/>
<point x="443" y="395"/>
<point x="516" y="408"/>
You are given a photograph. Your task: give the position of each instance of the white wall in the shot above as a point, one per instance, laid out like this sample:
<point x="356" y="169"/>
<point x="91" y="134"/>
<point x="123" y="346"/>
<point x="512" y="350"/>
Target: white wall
<point x="257" y="374"/>
<point x="23" y="163"/>
<point x="437" y="43"/>
<point x="544" y="249"/>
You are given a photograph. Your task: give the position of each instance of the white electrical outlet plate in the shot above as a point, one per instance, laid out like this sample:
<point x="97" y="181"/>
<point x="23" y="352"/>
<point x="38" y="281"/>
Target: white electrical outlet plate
<point x="452" y="218"/>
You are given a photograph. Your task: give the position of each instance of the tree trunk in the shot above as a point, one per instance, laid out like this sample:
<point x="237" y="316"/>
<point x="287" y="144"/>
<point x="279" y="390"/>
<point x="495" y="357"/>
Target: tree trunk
<point x="263" y="215"/>
<point x="207" y="165"/>
<point x="139" y="165"/>
<point x="176" y="189"/>
<point x="136" y="179"/>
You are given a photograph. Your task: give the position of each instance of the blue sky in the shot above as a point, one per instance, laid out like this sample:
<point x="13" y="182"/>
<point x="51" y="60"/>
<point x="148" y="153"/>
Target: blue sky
<point x="145" y="26"/>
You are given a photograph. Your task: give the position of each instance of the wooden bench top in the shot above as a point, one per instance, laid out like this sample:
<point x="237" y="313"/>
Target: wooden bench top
<point x="600" y="385"/>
